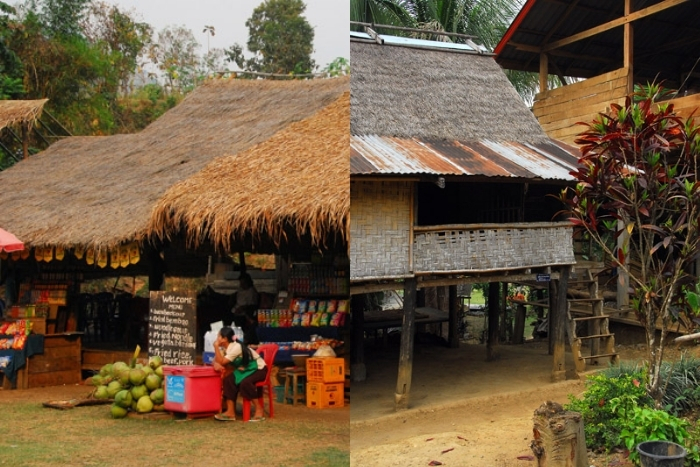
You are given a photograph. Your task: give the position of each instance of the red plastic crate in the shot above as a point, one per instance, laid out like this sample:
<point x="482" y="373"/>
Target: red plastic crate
<point x="192" y="389"/>
<point x="325" y="395"/>
<point x="325" y="370"/>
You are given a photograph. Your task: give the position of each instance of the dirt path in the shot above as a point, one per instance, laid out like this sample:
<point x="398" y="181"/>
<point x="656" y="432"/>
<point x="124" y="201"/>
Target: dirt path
<point x="464" y="411"/>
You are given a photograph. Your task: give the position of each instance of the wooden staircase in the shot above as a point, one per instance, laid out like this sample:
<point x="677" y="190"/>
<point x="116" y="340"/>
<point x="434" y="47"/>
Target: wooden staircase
<point x="596" y="336"/>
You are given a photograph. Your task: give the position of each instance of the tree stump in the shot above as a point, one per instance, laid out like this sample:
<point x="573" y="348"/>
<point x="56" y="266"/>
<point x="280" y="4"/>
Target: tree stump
<point x="559" y="439"/>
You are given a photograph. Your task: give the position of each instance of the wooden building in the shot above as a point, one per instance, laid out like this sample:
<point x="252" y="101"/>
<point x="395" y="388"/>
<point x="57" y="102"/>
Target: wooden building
<point x="450" y="177"/>
<point x="600" y="49"/>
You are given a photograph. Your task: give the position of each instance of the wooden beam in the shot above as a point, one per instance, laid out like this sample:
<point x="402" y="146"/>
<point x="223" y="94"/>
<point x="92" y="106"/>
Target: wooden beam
<point x="492" y="339"/>
<point x="403" y="382"/>
<point x="643" y="13"/>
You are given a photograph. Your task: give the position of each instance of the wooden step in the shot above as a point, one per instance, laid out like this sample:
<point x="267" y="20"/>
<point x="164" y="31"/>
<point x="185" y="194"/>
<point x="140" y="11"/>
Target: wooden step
<point x="592" y="357"/>
<point x="597" y="336"/>
<point x="588" y="318"/>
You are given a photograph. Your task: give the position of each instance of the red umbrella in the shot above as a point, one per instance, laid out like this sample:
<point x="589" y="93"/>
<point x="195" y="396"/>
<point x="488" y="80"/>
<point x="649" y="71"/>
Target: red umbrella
<point x="9" y="243"/>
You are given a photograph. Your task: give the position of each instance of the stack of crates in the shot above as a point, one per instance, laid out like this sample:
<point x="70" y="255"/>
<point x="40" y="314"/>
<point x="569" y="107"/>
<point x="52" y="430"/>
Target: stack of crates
<point x="325" y="382"/>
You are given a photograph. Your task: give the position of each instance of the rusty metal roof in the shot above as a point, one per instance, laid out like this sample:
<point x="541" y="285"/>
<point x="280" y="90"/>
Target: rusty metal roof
<point x="383" y="155"/>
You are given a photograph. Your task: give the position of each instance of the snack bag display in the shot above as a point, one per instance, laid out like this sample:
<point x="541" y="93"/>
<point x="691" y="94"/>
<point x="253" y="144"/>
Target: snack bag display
<point x="306" y="319"/>
<point x="342" y="306"/>
<point x="332" y="306"/>
<point x="313" y="306"/>
<point x="322" y="306"/>
<point x="316" y="319"/>
<point x="296" y="321"/>
<point x="324" y="319"/>
<point x="303" y="306"/>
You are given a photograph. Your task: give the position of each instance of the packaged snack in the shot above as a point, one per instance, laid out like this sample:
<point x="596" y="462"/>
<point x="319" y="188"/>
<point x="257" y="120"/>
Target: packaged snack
<point x="332" y="306"/>
<point x="324" y="319"/>
<point x="322" y="306"/>
<point x="312" y="306"/>
<point x="296" y="321"/>
<point x="342" y="306"/>
<point x="316" y="319"/>
<point x="303" y="306"/>
<point x="335" y="319"/>
<point x="295" y="305"/>
<point x="306" y="319"/>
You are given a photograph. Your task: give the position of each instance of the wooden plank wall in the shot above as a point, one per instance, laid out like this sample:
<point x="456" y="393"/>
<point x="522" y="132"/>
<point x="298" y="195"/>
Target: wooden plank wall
<point x="685" y="106"/>
<point x="559" y="110"/>
<point x="59" y="364"/>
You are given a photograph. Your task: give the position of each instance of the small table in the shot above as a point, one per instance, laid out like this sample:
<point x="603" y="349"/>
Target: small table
<point x="291" y="385"/>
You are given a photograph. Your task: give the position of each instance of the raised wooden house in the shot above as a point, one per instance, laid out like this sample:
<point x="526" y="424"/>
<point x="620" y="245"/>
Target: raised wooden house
<point x="450" y="177"/>
<point x="600" y="49"/>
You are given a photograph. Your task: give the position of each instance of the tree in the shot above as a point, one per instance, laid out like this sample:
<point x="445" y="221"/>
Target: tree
<point x="280" y="39"/>
<point x="175" y="54"/>
<point x="638" y="185"/>
<point x="10" y="64"/>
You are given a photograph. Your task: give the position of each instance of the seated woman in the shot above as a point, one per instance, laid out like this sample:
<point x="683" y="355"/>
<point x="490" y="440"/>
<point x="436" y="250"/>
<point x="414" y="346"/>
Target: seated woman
<point x="242" y="368"/>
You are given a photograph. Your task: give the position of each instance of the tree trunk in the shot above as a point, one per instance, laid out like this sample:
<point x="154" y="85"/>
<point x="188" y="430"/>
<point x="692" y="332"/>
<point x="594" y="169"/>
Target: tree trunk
<point x="559" y="439"/>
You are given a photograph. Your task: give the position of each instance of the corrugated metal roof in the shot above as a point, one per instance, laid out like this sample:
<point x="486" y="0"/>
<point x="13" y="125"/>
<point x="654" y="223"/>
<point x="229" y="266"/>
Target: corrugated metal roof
<point x="382" y="155"/>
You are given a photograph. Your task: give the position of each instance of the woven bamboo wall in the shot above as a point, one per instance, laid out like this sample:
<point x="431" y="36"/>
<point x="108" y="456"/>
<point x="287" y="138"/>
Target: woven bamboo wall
<point x="492" y="249"/>
<point x="379" y="229"/>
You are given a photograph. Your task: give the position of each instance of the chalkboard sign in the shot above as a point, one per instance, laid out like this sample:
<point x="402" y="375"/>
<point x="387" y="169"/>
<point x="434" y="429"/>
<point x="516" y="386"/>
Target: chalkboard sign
<point x="172" y="327"/>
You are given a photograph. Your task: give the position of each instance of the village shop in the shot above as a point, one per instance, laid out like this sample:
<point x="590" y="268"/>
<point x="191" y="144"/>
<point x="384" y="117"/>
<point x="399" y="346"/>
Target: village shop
<point x="189" y="214"/>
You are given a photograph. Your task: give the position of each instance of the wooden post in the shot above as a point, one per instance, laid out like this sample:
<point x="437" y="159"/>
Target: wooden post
<point x="552" y="293"/>
<point x="559" y="438"/>
<point x="453" y="330"/>
<point x="403" y="383"/>
<point x="544" y="71"/>
<point x="558" y="314"/>
<point x="493" y="310"/>
<point x="357" y="348"/>
<point x="503" y="312"/>
<point x="25" y="140"/>
<point x="623" y="280"/>
<point x="628" y="46"/>
<point x="519" y="328"/>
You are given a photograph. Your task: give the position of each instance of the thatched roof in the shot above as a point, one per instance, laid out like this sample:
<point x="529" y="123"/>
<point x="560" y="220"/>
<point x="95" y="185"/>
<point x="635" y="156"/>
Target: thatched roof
<point x="12" y="112"/>
<point x="298" y="177"/>
<point x="100" y="191"/>
<point x="435" y="94"/>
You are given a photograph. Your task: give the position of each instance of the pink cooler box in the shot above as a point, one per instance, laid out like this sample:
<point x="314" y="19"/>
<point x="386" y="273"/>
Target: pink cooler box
<point x="192" y="389"/>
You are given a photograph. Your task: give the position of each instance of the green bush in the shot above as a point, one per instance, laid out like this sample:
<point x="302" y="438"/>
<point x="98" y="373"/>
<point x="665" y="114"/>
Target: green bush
<point x="646" y="424"/>
<point x="602" y="424"/>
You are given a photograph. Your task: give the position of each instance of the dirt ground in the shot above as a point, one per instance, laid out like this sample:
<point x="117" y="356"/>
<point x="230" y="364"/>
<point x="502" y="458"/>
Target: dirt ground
<point x="463" y="411"/>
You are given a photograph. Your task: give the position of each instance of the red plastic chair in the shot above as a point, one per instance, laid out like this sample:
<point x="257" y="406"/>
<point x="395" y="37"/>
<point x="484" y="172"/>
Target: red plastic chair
<point x="268" y="353"/>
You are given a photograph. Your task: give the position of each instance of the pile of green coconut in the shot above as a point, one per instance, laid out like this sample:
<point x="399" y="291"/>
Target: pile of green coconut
<point x="137" y="388"/>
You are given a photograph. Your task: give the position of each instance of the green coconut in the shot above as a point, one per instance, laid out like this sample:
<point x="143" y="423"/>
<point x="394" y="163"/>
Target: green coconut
<point x="100" y="392"/>
<point x="133" y="405"/>
<point x="148" y="370"/>
<point x="106" y="369"/>
<point x="139" y="391"/>
<point x="123" y="378"/>
<point x="155" y="361"/>
<point x="118" y="411"/>
<point x="144" y="405"/>
<point x="137" y="376"/>
<point x="118" y="367"/>
<point x="97" y="380"/>
<point x="123" y="398"/>
<point x="159" y="371"/>
<point x="152" y="382"/>
<point x="113" y="388"/>
<point x="157" y="396"/>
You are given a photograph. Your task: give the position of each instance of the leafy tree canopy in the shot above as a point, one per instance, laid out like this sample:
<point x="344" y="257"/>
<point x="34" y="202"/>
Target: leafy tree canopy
<point x="280" y="38"/>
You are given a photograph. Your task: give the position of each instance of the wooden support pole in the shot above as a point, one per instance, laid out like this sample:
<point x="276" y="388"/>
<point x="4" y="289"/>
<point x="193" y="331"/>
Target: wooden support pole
<point x="453" y="331"/>
<point x="357" y="348"/>
<point x="552" y="292"/>
<point x="519" y="327"/>
<point x="503" y="312"/>
<point x="623" y="280"/>
<point x="544" y="72"/>
<point x="493" y="311"/>
<point x="403" y="383"/>
<point x="628" y="46"/>
<point x="558" y="313"/>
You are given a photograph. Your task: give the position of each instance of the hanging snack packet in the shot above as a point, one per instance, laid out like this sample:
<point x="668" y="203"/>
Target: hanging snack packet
<point x="324" y="319"/>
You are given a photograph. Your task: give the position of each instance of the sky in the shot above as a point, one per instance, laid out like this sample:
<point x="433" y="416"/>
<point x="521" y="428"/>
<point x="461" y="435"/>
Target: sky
<point x="329" y="18"/>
